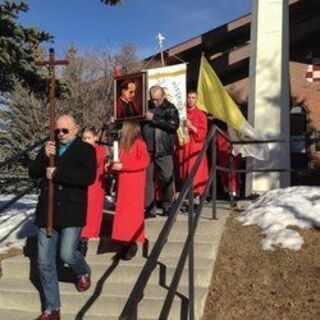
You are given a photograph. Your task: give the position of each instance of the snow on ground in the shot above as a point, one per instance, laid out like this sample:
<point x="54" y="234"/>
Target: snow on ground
<point x="17" y="223"/>
<point x="277" y="210"/>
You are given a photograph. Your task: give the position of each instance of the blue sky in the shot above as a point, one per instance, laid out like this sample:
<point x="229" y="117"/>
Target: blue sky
<point x="92" y="25"/>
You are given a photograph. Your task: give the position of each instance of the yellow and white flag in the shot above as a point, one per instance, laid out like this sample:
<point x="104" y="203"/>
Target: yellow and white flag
<point x="214" y="99"/>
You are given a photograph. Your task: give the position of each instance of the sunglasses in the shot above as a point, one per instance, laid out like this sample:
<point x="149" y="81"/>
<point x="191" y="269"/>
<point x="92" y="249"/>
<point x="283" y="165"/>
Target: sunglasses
<point x="63" y="130"/>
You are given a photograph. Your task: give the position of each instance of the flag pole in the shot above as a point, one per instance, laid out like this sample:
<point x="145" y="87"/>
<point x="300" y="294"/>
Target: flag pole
<point x="161" y="38"/>
<point x="200" y="68"/>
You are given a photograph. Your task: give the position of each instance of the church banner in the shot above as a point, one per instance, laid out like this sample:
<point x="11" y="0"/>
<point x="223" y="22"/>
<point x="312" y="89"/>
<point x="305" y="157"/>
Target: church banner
<point x="173" y="80"/>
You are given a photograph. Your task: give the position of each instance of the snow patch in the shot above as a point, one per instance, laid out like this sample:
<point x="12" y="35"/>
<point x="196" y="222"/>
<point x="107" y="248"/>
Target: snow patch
<point x="278" y="210"/>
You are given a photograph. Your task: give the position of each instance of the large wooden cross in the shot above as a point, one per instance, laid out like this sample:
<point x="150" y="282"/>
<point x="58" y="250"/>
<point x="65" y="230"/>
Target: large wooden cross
<point x="52" y="122"/>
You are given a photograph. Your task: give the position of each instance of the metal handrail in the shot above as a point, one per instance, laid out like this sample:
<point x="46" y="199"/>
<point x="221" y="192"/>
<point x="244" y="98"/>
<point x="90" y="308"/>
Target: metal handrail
<point x="172" y="290"/>
<point x="130" y="309"/>
<point x="22" y="153"/>
<point x="18" y="197"/>
<point x="11" y="181"/>
<point x="221" y="132"/>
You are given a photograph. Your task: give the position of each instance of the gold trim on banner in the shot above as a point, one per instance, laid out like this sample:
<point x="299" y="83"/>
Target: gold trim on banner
<point x="166" y="74"/>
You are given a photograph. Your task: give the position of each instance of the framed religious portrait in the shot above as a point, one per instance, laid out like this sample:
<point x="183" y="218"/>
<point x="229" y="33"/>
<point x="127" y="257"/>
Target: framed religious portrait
<point x="130" y="95"/>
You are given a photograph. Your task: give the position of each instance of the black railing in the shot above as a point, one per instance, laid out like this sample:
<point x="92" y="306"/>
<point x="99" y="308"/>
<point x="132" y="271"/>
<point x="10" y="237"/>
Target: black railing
<point x="130" y="311"/>
<point x="18" y="178"/>
<point x="231" y="170"/>
<point x="20" y="155"/>
<point x="17" y="197"/>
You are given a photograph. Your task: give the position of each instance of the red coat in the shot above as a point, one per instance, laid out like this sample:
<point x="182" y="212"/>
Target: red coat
<point x="188" y="153"/>
<point x="96" y="197"/>
<point x="230" y="181"/>
<point x="128" y="224"/>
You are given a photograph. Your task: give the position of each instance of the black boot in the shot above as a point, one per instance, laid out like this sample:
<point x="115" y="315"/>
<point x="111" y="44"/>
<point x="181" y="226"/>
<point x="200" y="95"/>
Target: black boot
<point x="129" y="251"/>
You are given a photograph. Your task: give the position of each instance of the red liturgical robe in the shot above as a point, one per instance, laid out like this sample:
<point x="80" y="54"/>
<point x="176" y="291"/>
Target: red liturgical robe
<point x="187" y="154"/>
<point x="128" y="222"/>
<point x="96" y="197"/>
<point x="229" y="181"/>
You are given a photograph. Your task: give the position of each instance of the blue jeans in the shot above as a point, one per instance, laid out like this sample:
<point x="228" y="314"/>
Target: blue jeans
<point x="47" y="252"/>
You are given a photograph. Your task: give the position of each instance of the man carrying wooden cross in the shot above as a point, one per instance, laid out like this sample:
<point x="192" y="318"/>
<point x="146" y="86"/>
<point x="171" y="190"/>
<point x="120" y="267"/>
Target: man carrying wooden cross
<point x="74" y="171"/>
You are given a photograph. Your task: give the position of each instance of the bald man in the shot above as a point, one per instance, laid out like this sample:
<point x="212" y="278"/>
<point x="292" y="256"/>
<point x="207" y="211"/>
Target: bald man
<point x="75" y="170"/>
<point x="159" y="133"/>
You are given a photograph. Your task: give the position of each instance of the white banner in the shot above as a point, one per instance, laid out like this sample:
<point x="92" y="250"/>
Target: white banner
<point x="173" y="80"/>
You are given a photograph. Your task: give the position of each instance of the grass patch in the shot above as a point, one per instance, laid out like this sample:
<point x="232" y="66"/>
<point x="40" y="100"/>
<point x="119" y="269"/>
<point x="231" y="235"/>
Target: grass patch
<point x="249" y="283"/>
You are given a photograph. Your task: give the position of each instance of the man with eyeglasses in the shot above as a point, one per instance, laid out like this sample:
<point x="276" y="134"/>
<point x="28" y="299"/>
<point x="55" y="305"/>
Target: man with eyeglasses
<point x="159" y="133"/>
<point x="74" y="171"/>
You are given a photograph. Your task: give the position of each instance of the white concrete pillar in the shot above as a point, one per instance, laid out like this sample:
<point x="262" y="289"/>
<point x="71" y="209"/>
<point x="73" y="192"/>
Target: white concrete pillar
<point x="269" y="93"/>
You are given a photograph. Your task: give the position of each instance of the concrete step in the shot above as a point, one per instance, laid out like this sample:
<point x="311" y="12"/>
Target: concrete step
<point x="108" y="258"/>
<point x="122" y="273"/>
<point x="171" y="248"/>
<point x="112" y="281"/>
<point x="78" y="304"/>
<point x="23" y="295"/>
<point x="205" y="234"/>
<point x="153" y="226"/>
<point x="26" y="315"/>
<point x="108" y="289"/>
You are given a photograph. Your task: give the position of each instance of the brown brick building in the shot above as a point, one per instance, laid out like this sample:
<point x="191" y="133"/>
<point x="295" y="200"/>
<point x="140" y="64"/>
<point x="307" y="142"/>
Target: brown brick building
<point x="228" y="50"/>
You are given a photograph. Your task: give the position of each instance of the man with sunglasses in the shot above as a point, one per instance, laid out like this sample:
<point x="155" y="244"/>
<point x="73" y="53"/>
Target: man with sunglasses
<point x="74" y="171"/>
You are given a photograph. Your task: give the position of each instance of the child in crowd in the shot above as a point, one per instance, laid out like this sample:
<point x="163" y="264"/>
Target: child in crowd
<point x="128" y="225"/>
<point x="96" y="191"/>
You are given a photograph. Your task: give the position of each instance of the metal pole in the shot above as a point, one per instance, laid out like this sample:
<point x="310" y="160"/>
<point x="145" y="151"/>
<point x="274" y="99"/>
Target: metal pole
<point x="161" y="38"/>
<point x="230" y="176"/>
<point x="191" y="253"/>
<point x="52" y="119"/>
<point x="214" y="180"/>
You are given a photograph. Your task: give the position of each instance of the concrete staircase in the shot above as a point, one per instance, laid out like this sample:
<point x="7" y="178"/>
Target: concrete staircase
<point x="113" y="280"/>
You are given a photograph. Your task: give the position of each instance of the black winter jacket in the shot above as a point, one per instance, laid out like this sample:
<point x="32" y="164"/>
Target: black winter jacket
<point x="159" y="133"/>
<point x="75" y="171"/>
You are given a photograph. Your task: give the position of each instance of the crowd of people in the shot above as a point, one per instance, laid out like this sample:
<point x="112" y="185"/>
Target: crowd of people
<point x="148" y="155"/>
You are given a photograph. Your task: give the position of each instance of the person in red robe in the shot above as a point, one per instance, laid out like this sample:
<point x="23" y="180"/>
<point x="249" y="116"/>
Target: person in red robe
<point x="96" y="191"/>
<point x="225" y="158"/>
<point x="128" y="224"/>
<point x="187" y="153"/>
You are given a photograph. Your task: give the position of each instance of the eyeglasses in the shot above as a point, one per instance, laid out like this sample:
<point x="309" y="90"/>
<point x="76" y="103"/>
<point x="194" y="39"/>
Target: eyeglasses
<point x="63" y="130"/>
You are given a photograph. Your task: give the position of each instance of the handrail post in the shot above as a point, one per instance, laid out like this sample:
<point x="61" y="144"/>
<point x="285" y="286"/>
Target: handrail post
<point x="230" y="176"/>
<point x="214" y="180"/>
<point x="191" y="253"/>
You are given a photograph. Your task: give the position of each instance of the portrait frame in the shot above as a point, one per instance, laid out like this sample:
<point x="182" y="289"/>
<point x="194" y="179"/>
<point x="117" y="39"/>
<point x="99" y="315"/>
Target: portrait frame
<point x="123" y="107"/>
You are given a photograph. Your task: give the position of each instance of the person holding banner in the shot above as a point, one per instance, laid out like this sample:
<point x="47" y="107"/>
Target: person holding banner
<point x="75" y="170"/>
<point x="187" y="153"/>
<point x="159" y="129"/>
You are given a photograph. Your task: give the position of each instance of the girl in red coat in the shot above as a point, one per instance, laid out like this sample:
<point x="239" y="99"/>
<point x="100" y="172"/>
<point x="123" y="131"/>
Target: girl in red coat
<point x="187" y="154"/>
<point x="128" y="224"/>
<point x="96" y="191"/>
